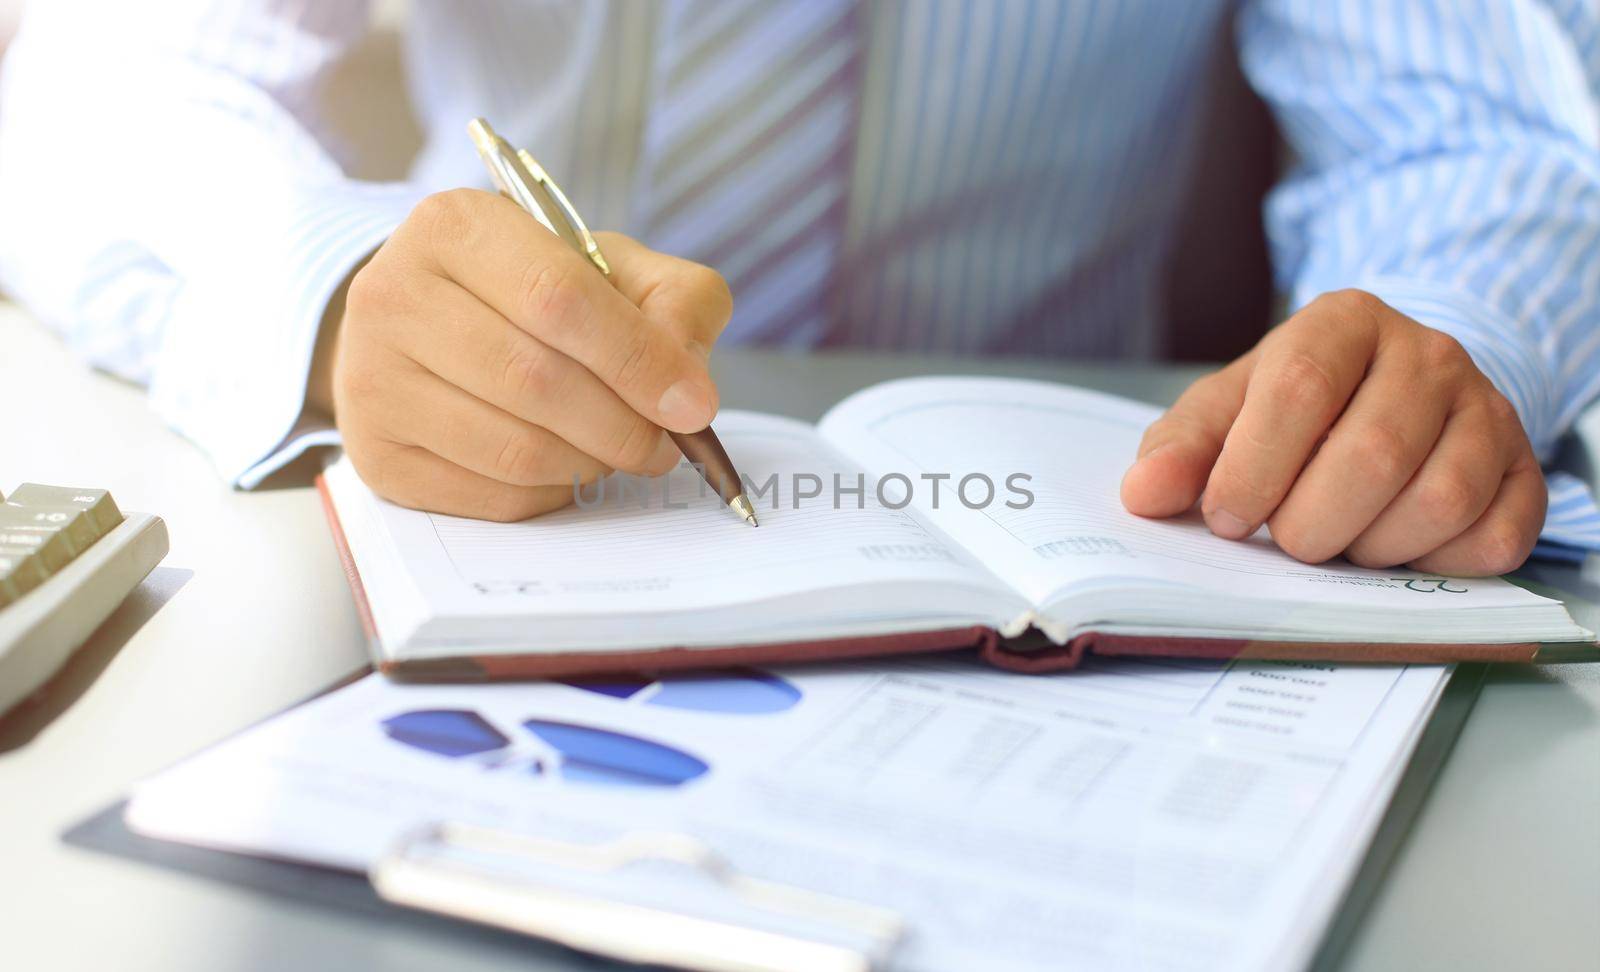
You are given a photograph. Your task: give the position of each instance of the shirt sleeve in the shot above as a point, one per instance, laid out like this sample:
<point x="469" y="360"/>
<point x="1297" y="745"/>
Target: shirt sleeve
<point x="1448" y="160"/>
<point x="174" y="207"/>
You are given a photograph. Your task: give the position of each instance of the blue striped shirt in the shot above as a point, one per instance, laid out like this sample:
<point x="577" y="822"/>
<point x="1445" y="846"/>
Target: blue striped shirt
<point x="1013" y="185"/>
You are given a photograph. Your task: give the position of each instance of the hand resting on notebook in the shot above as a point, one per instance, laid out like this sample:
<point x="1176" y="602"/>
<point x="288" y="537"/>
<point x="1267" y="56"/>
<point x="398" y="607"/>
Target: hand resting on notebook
<point x="480" y="365"/>
<point x="1351" y="429"/>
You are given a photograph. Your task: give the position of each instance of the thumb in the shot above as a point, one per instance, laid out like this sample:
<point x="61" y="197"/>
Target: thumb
<point x="1179" y="449"/>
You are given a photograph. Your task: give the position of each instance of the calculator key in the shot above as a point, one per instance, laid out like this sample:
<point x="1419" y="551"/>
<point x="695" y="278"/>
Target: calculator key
<point x="76" y="523"/>
<point x="97" y="503"/>
<point x="50" y="546"/>
<point x="20" y="572"/>
<point x="43" y="626"/>
<point x="71" y="522"/>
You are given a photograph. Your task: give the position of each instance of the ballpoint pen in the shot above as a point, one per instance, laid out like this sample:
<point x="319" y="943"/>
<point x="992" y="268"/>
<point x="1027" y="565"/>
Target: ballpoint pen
<point x="520" y="178"/>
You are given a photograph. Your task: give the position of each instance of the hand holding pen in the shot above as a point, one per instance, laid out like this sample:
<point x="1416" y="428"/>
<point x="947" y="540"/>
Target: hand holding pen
<point x="480" y="362"/>
<point x="524" y="181"/>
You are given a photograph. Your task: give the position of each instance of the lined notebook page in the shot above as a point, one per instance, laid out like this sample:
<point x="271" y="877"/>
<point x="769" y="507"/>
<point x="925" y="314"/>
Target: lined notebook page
<point x="634" y="553"/>
<point x="1076" y="445"/>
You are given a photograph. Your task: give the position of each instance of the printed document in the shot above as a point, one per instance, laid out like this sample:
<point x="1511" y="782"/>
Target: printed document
<point x="1144" y="814"/>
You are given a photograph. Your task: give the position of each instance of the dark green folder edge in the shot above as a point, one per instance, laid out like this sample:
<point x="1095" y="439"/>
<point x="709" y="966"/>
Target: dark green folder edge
<point x="106" y="833"/>
<point x="1438" y="738"/>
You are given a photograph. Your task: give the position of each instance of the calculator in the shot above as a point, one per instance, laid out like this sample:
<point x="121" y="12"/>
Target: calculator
<point x="68" y="557"/>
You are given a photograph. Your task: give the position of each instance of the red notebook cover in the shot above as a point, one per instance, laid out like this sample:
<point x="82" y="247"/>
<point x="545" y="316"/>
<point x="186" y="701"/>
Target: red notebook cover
<point x="990" y="646"/>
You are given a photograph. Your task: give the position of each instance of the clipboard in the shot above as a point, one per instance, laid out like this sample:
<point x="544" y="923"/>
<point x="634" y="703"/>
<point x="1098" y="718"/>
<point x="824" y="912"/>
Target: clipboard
<point x="419" y="887"/>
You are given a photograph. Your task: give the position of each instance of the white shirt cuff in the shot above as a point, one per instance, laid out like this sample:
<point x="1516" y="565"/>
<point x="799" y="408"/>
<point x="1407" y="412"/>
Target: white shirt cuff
<point x="236" y="354"/>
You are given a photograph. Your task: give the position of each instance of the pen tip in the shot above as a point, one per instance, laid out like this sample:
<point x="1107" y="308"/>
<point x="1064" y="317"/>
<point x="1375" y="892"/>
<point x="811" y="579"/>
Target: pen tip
<point x="742" y="506"/>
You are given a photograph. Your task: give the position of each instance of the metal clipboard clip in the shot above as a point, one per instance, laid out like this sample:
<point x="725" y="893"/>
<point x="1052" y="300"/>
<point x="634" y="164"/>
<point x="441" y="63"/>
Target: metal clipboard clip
<point x="693" y="911"/>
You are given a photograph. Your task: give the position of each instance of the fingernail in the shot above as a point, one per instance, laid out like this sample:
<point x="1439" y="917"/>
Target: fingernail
<point x="1226" y="525"/>
<point x="1141" y="460"/>
<point x="685" y="407"/>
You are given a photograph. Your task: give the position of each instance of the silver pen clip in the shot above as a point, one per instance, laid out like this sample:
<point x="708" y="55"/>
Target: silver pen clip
<point x="520" y="178"/>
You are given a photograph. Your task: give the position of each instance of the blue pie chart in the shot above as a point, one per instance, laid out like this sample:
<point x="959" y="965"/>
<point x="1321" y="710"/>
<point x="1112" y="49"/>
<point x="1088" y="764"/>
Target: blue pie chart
<point x="589" y="754"/>
<point x="447" y="732"/>
<point x="733" y="691"/>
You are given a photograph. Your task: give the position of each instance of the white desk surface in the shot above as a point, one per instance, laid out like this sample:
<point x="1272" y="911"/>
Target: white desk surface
<point x="250" y="613"/>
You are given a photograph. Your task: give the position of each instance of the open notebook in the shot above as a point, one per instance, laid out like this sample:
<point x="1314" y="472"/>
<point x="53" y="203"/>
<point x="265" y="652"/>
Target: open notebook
<point x="1050" y="567"/>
